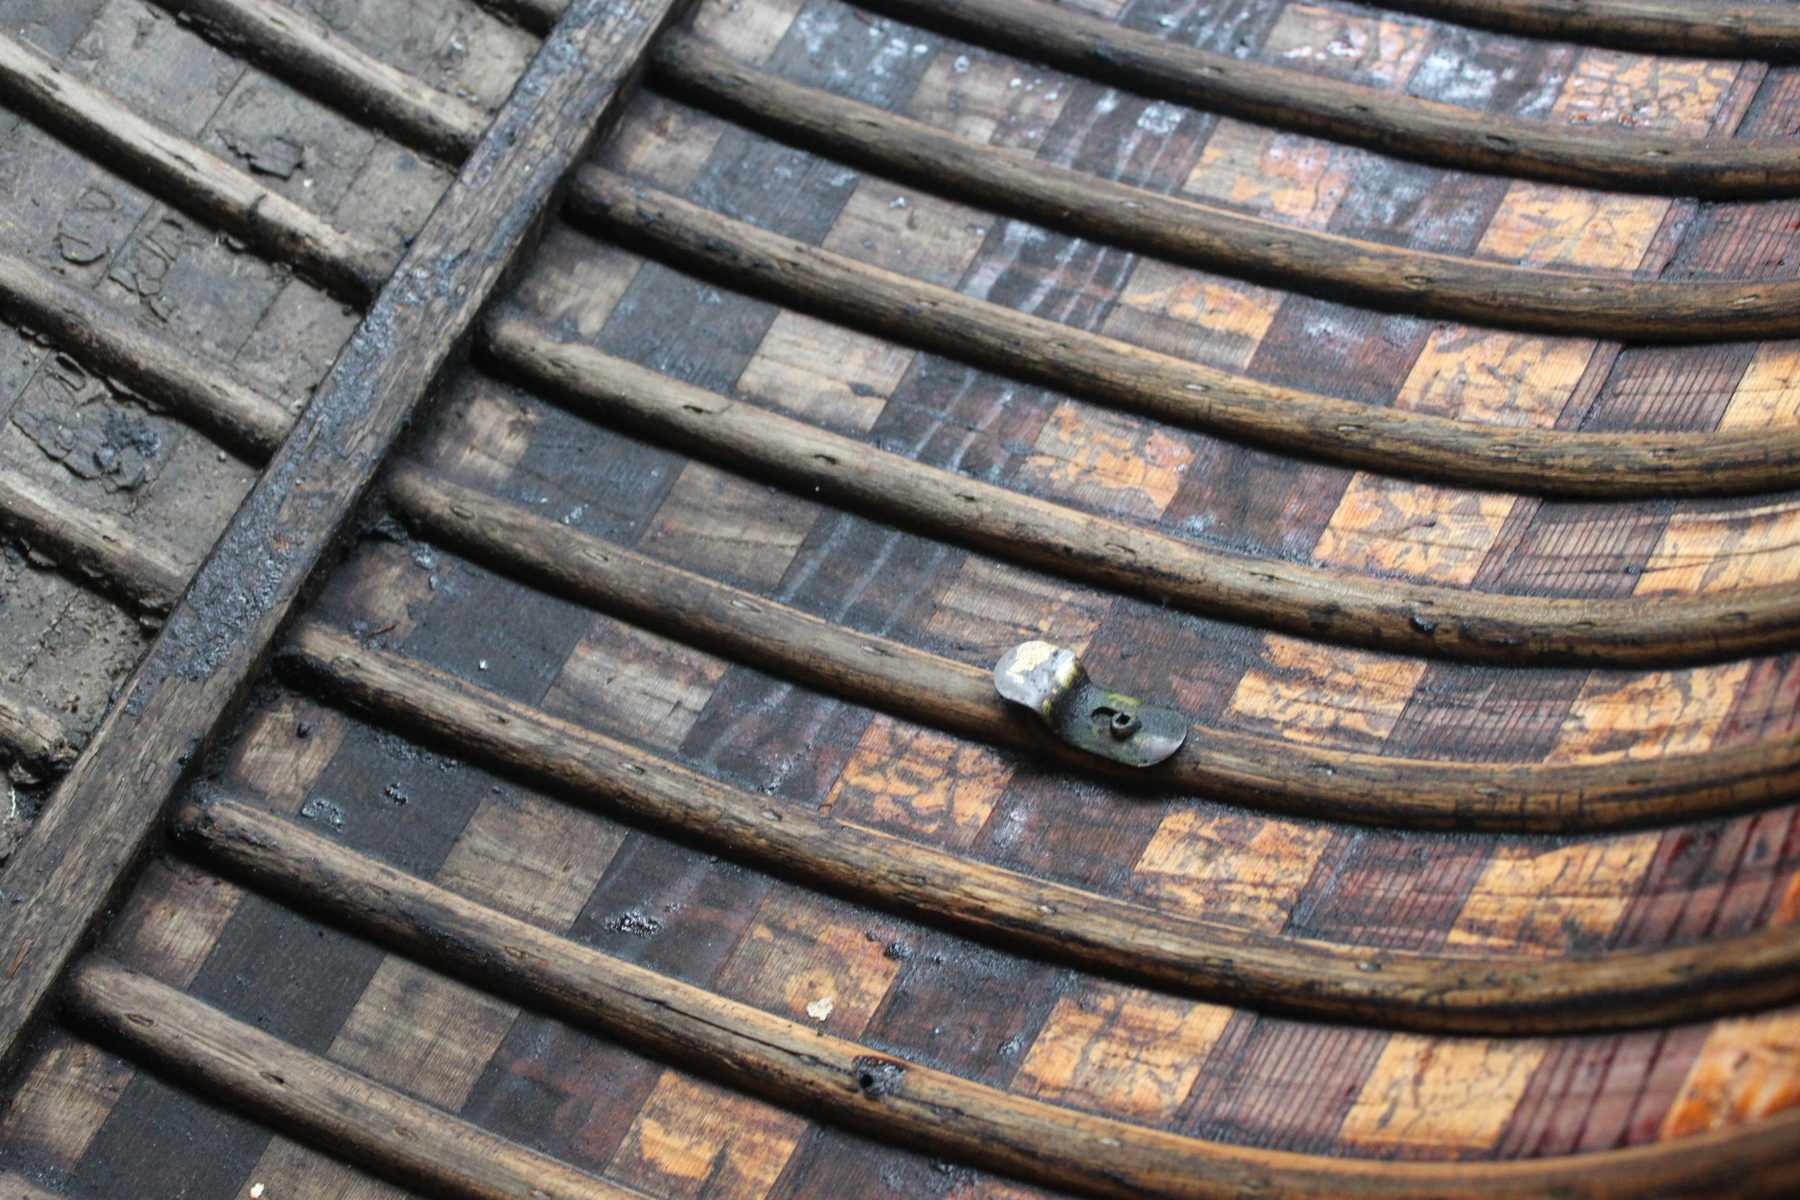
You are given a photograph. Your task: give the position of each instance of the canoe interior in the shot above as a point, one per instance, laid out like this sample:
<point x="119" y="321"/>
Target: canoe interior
<point x="87" y="1111"/>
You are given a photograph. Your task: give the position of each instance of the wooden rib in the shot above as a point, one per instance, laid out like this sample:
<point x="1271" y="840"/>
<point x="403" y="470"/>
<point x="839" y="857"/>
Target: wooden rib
<point x="889" y="1096"/>
<point x="1703" y="28"/>
<point x="1310" y="781"/>
<point x="91" y="546"/>
<point x="304" y="51"/>
<point x="204" y="392"/>
<point x="329" y="1107"/>
<point x="99" y="820"/>
<point x="1310" y="601"/>
<point x="1102" y="369"/>
<point x="1612" y="157"/>
<point x="534" y="16"/>
<point x="32" y="735"/>
<point x="182" y="173"/>
<point x="1221" y="239"/>
<point x="1064" y="924"/>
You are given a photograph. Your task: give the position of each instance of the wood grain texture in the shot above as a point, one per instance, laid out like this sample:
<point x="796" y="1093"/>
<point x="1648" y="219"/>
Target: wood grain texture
<point x="1060" y="922"/>
<point x="190" y="177"/>
<point x="1214" y="238"/>
<point x="92" y="547"/>
<point x="1396" y="439"/>
<point x="889" y="1095"/>
<point x="1721" y="28"/>
<point x="1612" y="157"/>
<point x="302" y="49"/>
<point x="32" y="735"/>
<point x="329" y="1106"/>
<point x="1278" y="772"/>
<point x="106" y="808"/>
<point x="1308" y="601"/>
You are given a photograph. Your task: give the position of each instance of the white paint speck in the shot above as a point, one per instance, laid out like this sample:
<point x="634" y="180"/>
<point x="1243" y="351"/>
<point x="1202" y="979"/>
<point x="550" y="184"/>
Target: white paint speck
<point x="821" y="1008"/>
<point x="482" y="664"/>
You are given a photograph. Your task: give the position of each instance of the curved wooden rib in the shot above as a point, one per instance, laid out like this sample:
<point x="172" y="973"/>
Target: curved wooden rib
<point x="207" y="393"/>
<point x="1704" y="28"/>
<point x="1220" y="239"/>
<point x="1309" y="601"/>
<point x="859" y="1086"/>
<point x="186" y="175"/>
<point x="32" y="735"/>
<point x="1062" y="923"/>
<point x="330" y="1107"/>
<point x="535" y="16"/>
<point x="1099" y="368"/>
<point x="1612" y="157"/>
<point x="304" y="51"/>
<point x="1310" y="781"/>
<point x="91" y="546"/>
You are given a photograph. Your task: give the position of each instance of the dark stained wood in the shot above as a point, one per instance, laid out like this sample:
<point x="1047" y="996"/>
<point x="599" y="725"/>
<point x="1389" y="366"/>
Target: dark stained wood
<point x="535" y="15"/>
<point x="889" y="1095"/>
<point x="302" y="49"/>
<point x="32" y="734"/>
<point x="1612" y="157"/>
<point x="105" y="811"/>
<point x="1713" y="28"/>
<point x="190" y="177"/>
<point x="1271" y="772"/>
<point x="1093" y="366"/>
<point x="93" y="547"/>
<point x="343" y="1113"/>
<point x="207" y="393"/>
<point x="1214" y="238"/>
<point x="1310" y="601"/>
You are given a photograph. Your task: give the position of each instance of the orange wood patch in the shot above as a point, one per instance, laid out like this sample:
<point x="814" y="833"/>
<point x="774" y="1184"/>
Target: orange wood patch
<point x="422" y="1033"/>
<point x="1608" y="87"/>
<point x="481" y="435"/>
<point x="908" y="231"/>
<point x="663" y="141"/>
<point x="574" y="281"/>
<point x="1121" y="1051"/>
<point x="1390" y="526"/>
<point x="1768" y="395"/>
<point x="61" y="1100"/>
<point x="1495" y="377"/>
<point x="179" y="913"/>
<point x="1544" y="225"/>
<point x="919" y="782"/>
<point x="1552" y="901"/>
<point x="1191" y="314"/>
<point x="1749" y="1068"/>
<point x="691" y="1139"/>
<point x="1323" y="694"/>
<point x="989" y="608"/>
<point x="1289" y="176"/>
<point x="1719" y="552"/>
<point x="622" y="679"/>
<point x="1106" y="461"/>
<point x="1440" y="1096"/>
<point x="1380" y="50"/>
<point x="1228" y="866"/>
<point x="806" y="962"/>
<point x="821" y="373"/>
<point x="729" y="526"/>
<point x="1648" y="716"/>
<point x="531" y="857"/>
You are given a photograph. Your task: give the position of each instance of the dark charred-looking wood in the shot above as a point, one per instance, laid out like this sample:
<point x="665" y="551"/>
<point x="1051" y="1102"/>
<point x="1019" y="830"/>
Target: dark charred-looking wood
<point x="1095" y="367"/>
<point x="893" y="1097"/>
<point x="332" y="1108"/>
<point x="1220" y="239"/>
<point x="1704" y="28"/>
<point x="32" y="736"/>
<point x="207" y="393"/>
<point x="188" y="176"/>
<point x="1268" y="772"/>
<point x="103" y="814"/>
<point x="90" y="546"/>
<point x="1061" y="923"/>
<point x="1612" y="157"/>
<point x="1309" y="601"/>
<point x="302" y="50"/>
<point x="537" y="16"/>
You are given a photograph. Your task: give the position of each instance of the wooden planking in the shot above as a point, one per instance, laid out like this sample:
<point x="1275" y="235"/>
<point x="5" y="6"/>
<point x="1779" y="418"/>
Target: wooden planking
<point x="1713" y="28"/>
<point x="216" y="638"/>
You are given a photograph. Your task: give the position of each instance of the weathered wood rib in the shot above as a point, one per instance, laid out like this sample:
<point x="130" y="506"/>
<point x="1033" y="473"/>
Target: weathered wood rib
<point x="1103" y="369"/>
<point x="1061" y="923"/>
<point x="188" y="176"/>
<point x="896" y="1099"/>
<point x="1704" y="28"/>
<point x="302" y="50"/>
<point x="1611" y="157"/>
<point x="334" y="1109"/>
<point x="1386" y="614"/>
<point x="91" y="546"/>
<point x="32" y="735"/>
<point x="1265" y="772"/>
<point x="203" y="391"/>
<point x="1220" y="239"/>
<point x="106" y="808"/>
<point x="535" y="16"/>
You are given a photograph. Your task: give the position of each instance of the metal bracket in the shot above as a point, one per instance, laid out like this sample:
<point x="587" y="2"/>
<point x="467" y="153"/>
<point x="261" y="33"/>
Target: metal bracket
<point x="1052" y="683"/>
